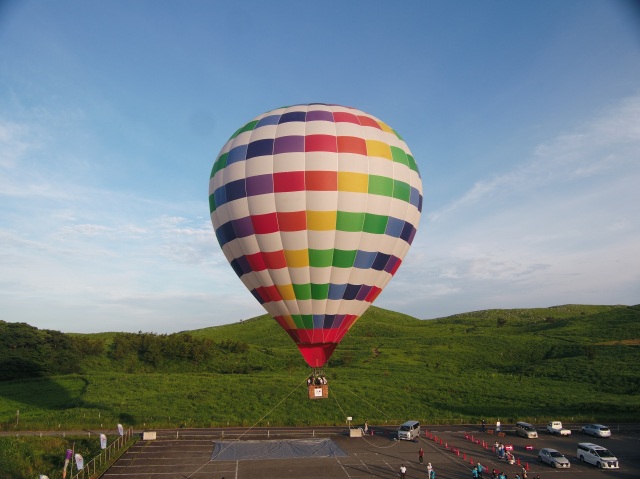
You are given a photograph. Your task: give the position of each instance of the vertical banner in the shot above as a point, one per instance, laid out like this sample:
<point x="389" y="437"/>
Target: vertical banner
<point x="103" y="441"/>
<point x="120" y="430"/>
<point x="79" y="462"/>
<point x="67" y="457"/>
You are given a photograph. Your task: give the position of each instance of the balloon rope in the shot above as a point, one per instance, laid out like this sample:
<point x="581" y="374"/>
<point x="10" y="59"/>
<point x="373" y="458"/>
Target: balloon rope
<point x="254" y="425"/>
<point x="364" y="436"/>
<point x="344" y="414"/>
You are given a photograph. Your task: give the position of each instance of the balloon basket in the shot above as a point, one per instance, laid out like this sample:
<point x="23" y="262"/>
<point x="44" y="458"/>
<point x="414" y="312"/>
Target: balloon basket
<point x="318" y="391"/>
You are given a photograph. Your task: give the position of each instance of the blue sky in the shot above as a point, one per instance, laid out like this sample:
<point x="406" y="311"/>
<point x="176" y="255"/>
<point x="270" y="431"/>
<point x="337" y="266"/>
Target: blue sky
<point x="524" y="118"/>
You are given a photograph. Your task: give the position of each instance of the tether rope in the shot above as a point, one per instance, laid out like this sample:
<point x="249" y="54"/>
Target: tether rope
<point x="254" y="425"/>
<point x="364" y="435"/>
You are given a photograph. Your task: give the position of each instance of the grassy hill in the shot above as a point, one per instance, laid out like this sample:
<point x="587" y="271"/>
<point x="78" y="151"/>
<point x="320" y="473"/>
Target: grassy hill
<point x="573" y="362"/>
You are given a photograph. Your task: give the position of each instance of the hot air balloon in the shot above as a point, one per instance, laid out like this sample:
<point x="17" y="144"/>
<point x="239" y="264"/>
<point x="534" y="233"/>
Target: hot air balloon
<point x="315" y="207"/>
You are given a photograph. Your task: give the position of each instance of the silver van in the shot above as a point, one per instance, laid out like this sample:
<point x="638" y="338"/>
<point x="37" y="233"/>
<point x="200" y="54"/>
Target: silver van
<point x="525" y="429"/>
<point x="597" y="455"/>
<point x="409" y="430"/>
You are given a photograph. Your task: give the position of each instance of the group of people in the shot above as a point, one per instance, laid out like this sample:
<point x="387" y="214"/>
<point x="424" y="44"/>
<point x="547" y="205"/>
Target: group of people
<point x="501" y="475"/>
<point x="476" y="472"/>
<point x="502" y="453"/>
<point x="316" y="380"/>
<point x="431" y="474"/>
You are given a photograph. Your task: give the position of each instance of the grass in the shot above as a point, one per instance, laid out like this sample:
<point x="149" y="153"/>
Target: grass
<point x="28" y="456"/>
<point x="572" y="363"/>
<point x="564" y="362"/>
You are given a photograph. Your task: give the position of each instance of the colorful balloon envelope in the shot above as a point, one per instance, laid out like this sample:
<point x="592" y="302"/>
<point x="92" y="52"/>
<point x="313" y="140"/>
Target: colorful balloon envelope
<point x="315" y="207"/>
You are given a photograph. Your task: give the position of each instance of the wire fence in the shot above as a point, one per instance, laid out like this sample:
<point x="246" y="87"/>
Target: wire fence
<point x="96" y="465"/>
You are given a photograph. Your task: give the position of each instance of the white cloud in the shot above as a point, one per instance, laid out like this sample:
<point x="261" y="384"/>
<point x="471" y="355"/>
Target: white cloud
<point x="13" y="143"/>
<point x="561" y="227"/>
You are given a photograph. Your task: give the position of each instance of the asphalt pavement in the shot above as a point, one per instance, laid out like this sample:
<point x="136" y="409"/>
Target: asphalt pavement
<point x="452" y="450"/>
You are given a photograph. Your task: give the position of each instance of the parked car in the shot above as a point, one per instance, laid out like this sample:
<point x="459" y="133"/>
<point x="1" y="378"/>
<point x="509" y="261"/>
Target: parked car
<point x="597" y="455"/>
<point x="596" y="430"/>
<point x="555" y="427"/>
<point x="409" y="430"/>
<point x="553" y="458"/>
<point x="525" y="429"/>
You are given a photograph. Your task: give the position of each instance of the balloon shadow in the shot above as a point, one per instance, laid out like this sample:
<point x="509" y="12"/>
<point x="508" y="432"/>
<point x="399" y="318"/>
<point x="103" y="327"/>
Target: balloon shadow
<point x="40" y="391"/>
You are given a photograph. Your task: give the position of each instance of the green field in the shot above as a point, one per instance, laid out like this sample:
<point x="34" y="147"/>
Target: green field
<point x="573" y="363"/>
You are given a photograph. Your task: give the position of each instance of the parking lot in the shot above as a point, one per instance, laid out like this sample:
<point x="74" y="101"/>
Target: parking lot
<point x="451" y="450"/>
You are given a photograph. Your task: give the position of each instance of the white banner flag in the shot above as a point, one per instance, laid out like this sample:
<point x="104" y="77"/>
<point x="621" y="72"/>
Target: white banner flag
<point x="79" y="461"/>
<point x="120" y="430"/>
<point x="103" y="441"/>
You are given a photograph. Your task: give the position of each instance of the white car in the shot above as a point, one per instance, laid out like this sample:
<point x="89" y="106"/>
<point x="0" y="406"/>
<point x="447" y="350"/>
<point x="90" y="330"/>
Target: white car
<point x="555" y="427"/>
<point x="597" y="455"/>
<point x="596" y="430"/>
<point x="553" y="458"/>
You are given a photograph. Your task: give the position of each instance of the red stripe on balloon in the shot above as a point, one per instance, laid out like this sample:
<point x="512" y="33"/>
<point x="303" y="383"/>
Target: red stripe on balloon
<point x="305" y="335"/>
<point x="341" y="117"/>
<point x="272" y="293"/>
<point x="352" y="144"/>
<point x="395" y="266"/>
<point x="320" y="143"/>
<point x="373" y="294"/>
<point x="288" y="181"/>
<point x="366" y="121"/>
<point x="292" y="221"/>
<point x="275" y="259"/>
<point x="260" y="291"/>
<point x="265" y="224"/>
<point x="256" y="261"/>
<point x="321" y="180"/>
<point x="310" y="336"/>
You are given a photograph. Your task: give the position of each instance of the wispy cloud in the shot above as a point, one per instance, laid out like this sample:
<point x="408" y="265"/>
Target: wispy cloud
<point x="14" y="143"/>
<point x="608" y="143"/>
<point x="561" y="226"/>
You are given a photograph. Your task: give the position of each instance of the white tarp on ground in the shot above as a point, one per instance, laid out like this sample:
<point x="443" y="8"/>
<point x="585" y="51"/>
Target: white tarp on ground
<point x="282" y="449"/>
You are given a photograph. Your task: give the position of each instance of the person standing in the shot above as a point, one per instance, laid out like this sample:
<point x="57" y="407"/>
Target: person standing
<point x="403" y="472"/>
<point x="498" y="427"/>
<point x="429" y="469"/>
<point x="421" y="455"/>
